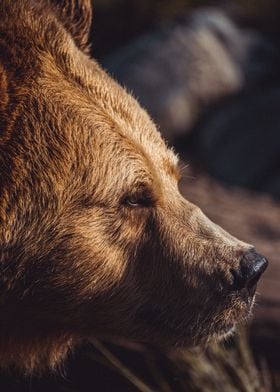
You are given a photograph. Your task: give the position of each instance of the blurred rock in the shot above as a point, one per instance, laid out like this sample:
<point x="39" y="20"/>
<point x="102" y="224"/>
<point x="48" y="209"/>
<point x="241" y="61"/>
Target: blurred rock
<point x="239" y="141"/>
<point x="179" y="71"/>
<point x="117" y="22"/>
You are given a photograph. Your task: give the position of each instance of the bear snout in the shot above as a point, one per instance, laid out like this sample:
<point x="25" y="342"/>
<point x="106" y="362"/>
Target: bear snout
<point x="252" y="265"/>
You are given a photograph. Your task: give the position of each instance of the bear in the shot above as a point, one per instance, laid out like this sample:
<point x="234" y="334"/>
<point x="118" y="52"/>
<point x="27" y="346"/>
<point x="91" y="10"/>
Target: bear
<point x="96" y="240"/>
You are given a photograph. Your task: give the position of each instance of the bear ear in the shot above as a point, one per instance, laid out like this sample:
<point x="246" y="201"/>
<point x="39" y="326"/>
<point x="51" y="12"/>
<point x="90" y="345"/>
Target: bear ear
<point x="76" y="16"/>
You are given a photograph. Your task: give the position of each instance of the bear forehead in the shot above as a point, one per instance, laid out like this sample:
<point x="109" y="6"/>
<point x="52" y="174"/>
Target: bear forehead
<point x="84" y="98"/>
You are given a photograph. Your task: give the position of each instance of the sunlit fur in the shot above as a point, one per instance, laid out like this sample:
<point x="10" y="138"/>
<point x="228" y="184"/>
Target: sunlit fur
<point x="76" y="260"/>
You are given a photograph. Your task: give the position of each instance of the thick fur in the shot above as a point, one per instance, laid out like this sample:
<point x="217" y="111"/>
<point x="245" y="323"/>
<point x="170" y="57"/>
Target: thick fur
<point x="95" y="238"/>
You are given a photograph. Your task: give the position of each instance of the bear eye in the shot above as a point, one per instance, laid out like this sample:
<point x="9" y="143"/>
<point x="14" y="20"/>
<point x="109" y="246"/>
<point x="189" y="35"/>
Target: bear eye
<point x="133" y="201"/>
<point x="138" y="200"/>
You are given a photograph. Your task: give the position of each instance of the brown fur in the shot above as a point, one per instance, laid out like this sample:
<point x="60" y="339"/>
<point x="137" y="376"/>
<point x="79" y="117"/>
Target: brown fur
<point x="77" y="259"/>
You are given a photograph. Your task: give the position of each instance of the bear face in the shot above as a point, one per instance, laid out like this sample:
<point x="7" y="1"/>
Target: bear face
<point x="95" y="237"/>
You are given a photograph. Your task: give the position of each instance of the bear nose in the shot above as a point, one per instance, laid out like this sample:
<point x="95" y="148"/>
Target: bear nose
<point x="252" y="266"/>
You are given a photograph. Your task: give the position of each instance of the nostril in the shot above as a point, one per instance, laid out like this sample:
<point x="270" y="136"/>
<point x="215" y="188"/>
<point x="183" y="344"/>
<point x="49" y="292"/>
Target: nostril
<point x="252" y="266"/>
<point x="254" y="271"/>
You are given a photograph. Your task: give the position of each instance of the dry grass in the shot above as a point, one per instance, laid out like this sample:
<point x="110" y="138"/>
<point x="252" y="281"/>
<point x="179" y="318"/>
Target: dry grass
<point x="221" y="368"/>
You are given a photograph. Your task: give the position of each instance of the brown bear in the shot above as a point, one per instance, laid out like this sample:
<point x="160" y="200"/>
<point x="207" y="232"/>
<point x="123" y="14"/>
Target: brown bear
<point x="95" y="238"/>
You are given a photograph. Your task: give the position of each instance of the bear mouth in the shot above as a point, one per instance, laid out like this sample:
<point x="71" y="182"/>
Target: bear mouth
<point x="176" y="327"/>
